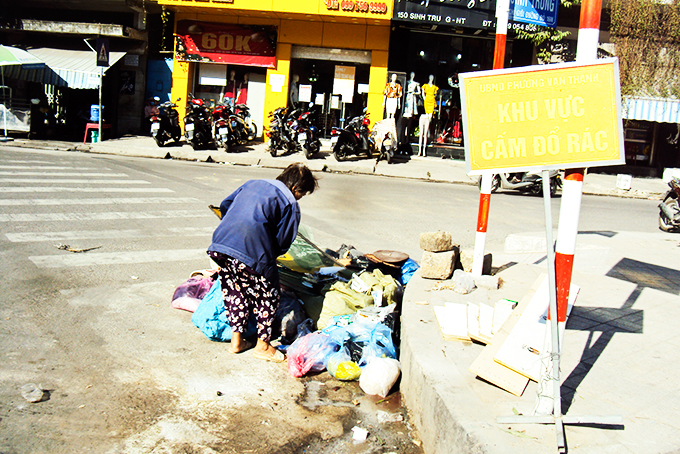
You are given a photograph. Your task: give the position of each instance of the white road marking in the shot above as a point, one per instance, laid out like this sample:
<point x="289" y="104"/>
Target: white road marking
<point x="116" y="258"/>
<point x="71" y="181"/>
<point x="100" y="201"/>
<point x="97" y="190"/>
<point x="47" y="217"/>
<point x="33" y="173"/>
<point x="23" y="161"/>
<point x="70" y="235"/>
<point x="50" y="167"/>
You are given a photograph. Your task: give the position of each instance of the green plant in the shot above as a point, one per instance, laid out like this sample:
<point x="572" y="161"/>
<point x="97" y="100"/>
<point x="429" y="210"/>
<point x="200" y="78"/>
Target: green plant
<point x="544" y="37"/>
<point x="166" y="34"/>
<point x="646" y="34"/>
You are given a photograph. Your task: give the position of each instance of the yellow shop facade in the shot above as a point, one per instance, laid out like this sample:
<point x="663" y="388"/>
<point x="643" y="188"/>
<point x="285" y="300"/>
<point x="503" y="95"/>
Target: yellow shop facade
<point x="274" y="53"/>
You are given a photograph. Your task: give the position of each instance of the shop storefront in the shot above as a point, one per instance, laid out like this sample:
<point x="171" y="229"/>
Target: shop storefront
<point x="651" y="135"/>
<point x="272" y="54"/>
<point x="434" y="42"/>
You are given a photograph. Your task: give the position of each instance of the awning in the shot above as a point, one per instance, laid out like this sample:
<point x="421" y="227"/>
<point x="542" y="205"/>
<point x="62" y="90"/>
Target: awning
<point x="72" y="68"/>
<point x="660" y="110"/>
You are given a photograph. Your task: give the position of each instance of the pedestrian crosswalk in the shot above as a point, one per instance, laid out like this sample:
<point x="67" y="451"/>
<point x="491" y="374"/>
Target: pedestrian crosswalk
<point x="54" y="201"/>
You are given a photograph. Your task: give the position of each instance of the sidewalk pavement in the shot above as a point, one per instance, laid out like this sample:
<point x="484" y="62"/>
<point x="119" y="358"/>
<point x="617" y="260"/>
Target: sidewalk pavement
<point x="620" y="347"/>
<point x="619" y="355"/>
<point x="425" y="168"/>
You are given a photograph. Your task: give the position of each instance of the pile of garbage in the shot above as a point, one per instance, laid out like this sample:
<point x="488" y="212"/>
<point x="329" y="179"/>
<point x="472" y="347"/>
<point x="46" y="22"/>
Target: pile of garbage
<point x="339" y="311"/>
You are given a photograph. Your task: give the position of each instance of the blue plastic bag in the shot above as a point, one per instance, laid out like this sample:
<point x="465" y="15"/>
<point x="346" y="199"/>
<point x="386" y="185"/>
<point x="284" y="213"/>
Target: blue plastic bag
<point x="408" y="269"/>
<point x="380" y="345"/>
<point x="211" y="317"/>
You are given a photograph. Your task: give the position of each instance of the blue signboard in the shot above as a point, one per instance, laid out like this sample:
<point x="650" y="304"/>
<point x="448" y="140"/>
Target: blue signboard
<point x="539" y="12"/>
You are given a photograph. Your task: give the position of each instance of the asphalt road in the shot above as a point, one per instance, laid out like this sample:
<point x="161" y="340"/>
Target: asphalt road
<point x="126" y="372"/>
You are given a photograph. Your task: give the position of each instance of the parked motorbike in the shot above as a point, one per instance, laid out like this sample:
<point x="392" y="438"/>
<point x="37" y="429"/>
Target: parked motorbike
<point x="165" y="126"/>
<point x="197" y="124"/>
<point x="527" y="182"/>
<point x="308" y="134"/>
<point x="244" y="112"/>
<point x="282" y="131"/>
<point x="354" y="139"/>
<point x="669" y="208"/>
<point x="228" y="128"/>
<point x="384" y="136"/>
<point x="220" y="128"/>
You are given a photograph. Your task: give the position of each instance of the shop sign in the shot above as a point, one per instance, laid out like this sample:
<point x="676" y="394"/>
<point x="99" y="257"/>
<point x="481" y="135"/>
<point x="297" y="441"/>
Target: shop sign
<point x="360" y="6"/>
<point x="459" y="13"/>
<point x="343" y="82"/>
<point x="539" y="12"/>
<point x="542" y="117"/>
<point x="252" y="45"/>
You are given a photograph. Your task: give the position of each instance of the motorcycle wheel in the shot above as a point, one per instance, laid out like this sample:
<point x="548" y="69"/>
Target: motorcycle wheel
<point x="553" y="187"/>
<point x="665" y="223"/>
<point x="252" y="133"/>
<point x="158" y="140"/>
<point x="340" y="152"/>
<point x="495" y="183"/>
<point x="273" y="146"/>
<point x="311" y="149"/>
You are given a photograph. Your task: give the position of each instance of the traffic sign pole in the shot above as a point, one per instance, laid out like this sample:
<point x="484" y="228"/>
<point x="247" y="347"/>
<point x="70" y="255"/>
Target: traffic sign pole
<point x="502" y="12"/>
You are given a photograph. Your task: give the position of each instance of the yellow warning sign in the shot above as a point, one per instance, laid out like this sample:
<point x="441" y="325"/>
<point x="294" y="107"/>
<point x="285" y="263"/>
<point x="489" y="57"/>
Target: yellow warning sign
<point x="542" y="117"/>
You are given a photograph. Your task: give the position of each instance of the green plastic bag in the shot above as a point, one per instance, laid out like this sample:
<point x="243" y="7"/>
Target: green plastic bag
<point x="341" y="300"/>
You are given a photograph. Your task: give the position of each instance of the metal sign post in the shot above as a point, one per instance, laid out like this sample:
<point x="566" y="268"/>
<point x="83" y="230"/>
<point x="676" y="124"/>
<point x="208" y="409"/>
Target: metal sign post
<point x="102" y="47"/>
<point x="547" y="375"/>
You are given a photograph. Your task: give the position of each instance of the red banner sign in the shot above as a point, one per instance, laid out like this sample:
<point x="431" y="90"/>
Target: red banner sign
<point x="251" y="45"/>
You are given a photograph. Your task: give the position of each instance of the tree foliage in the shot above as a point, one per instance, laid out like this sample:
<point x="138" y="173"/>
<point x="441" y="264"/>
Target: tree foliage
<point x="647" y="38"/>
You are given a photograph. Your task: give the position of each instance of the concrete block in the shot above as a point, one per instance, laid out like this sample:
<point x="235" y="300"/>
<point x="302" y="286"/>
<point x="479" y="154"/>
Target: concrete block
<point x="466" y="258"/>
<point x="488" y="282"/>
<point x="438" y="265"/>
<point x="436" y="241"/>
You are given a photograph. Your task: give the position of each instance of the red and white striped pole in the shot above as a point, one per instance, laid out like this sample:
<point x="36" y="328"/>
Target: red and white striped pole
<point x="572" y="191"/>
<point x="502" y="8"/>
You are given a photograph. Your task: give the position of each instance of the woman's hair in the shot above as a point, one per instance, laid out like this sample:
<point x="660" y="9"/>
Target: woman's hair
<point x="297" y="177"/>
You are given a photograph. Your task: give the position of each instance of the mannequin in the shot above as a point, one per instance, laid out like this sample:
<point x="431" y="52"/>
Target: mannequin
<point x="392" y="96"/>
<point x="412" y="94"/>
<point x="429" y="92"/>
<point x="424" y="127"/>
<point x="242" y="96"/>
<point x="294" y="91"/>
<point x="230" y="91"/>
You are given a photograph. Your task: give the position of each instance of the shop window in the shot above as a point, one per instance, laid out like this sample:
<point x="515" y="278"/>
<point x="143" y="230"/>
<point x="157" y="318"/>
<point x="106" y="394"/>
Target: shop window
<point x="638" y="142"/>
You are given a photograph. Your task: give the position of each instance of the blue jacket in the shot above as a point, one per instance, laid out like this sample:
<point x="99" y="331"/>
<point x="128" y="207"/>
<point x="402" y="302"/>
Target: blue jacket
<point x="259" y="222"/>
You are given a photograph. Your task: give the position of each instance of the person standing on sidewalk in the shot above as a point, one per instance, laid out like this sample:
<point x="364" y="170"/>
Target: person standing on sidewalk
<point x="259" y="223"/>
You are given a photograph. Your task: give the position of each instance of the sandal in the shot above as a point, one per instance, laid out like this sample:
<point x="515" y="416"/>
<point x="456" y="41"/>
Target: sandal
<point x="246" y="346"/>
<point x="277" y="357"/>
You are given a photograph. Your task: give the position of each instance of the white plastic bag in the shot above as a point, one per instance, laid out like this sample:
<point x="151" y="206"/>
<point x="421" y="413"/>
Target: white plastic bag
<point x="463" y="282"/>
<point x="379" y="375"/>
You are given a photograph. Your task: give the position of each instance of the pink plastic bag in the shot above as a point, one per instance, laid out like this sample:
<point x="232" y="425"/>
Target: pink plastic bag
<point x="310" y="353"/>
<point x="189" y="294"/>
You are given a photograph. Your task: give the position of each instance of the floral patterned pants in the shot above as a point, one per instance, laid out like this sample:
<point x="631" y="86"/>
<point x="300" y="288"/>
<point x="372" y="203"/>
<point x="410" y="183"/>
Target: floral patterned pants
<point x="244" y="290"/>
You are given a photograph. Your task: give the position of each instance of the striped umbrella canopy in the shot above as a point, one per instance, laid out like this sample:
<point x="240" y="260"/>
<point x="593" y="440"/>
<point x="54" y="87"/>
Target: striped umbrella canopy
<point x="13" y="56"/>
